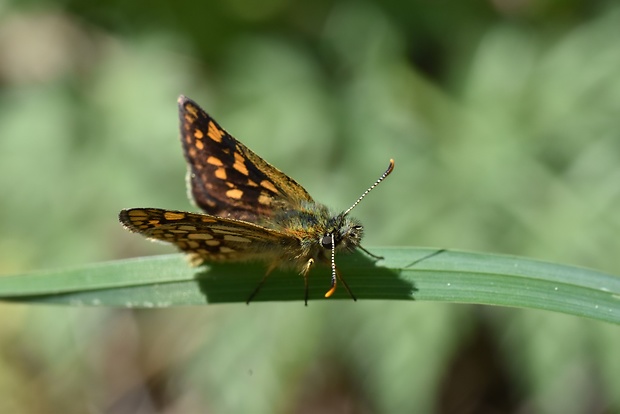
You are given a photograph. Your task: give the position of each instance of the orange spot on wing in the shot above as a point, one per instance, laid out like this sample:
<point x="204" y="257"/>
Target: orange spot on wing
<point x="234" y="193"/>
<point x="199" y="236"/>
<point x="214" y="161"/>
<point x="192" y="244"/>
<point x="198" y="134"/>
<point x="137" y="213"/>
<point x="191" y="109"/>
<point x="264" y="199"/>
<point x="220" y="173"/>
<point x="199" y="145"/>
<point x="171" y="215"/>
<point x="214" y="132"/>
<point x="269" y="186"/>
<point x="240" y="166"/>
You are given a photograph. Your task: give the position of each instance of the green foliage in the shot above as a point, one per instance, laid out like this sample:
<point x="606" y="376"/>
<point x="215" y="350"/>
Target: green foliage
<point x="403" y="274"/>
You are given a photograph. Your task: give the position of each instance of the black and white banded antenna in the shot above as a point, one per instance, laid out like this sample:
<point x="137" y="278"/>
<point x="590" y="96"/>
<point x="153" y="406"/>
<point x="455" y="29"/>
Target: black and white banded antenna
<point x="385" y="174"/>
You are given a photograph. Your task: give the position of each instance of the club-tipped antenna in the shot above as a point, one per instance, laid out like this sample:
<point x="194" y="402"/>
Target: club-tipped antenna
<point x="385" y="174"/>
<point x="336" y="275"/>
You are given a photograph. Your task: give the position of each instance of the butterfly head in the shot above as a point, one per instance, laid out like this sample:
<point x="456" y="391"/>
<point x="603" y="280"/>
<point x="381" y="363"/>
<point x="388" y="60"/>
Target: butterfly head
<point x="344" y="232"/>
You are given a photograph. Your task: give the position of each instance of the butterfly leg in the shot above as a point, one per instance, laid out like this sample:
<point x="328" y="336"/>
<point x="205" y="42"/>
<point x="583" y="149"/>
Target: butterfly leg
<point x="374" y="256"/>
<point x="304" y="273"/>
<point x="262" y="282"/>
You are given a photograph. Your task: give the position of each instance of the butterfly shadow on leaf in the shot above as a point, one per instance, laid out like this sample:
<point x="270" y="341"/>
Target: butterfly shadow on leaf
<point x="367" y="279"/>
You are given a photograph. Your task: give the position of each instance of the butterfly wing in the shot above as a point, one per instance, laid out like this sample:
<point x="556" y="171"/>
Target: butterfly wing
<point x="208" y="237"/>
<point x="225" y="177"/>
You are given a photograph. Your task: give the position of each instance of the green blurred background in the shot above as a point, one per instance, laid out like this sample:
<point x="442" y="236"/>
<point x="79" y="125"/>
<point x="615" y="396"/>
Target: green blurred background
<point x="503" y="117"/>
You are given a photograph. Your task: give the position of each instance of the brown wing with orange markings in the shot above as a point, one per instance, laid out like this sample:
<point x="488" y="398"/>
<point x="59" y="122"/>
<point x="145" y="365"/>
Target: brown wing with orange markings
<point x="206" y="237"/>
<point x="226" y="178"/>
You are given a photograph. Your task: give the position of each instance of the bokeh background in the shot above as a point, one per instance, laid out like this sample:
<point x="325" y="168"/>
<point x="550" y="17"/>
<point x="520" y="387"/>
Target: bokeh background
<point x="503" y="117"/>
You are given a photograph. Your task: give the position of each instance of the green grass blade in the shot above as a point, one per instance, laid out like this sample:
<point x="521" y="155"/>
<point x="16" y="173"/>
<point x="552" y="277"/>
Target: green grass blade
<point x="449" y="276"/>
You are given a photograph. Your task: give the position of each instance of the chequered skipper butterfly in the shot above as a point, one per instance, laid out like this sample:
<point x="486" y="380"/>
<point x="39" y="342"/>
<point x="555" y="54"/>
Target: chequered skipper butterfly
<point x="253" y="210"/>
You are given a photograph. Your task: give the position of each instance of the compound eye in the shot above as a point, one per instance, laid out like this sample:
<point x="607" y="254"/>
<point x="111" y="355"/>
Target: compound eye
<point x="326" y="241"/>
<point x="355" y="231"/>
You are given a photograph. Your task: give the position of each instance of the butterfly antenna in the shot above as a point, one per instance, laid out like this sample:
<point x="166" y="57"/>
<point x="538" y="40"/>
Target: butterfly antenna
<point x="334" y="276"/>
<point x="385" y="174"/>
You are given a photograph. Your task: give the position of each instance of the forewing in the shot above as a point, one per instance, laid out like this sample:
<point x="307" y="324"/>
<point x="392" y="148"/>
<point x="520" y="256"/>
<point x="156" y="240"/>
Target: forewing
<point x="208" y="237"/>
<point x="226" y="178"/>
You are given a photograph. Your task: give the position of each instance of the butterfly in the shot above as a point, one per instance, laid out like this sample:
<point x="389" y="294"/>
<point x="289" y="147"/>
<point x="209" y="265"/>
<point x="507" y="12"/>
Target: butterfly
<point x="252" y="210"/>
